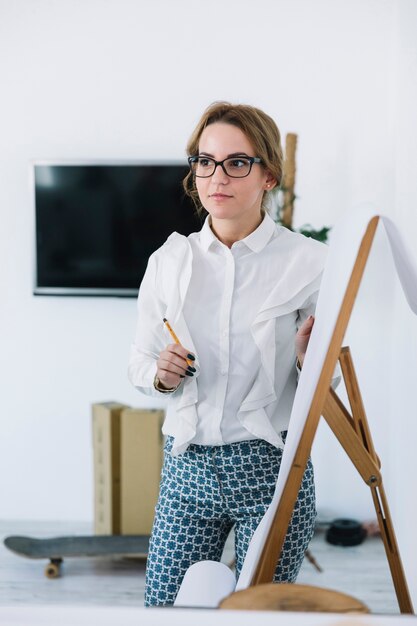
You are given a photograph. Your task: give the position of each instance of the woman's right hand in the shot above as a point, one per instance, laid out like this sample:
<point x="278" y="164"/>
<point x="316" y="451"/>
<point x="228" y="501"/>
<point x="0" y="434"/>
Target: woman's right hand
<point x="172" y="365"/>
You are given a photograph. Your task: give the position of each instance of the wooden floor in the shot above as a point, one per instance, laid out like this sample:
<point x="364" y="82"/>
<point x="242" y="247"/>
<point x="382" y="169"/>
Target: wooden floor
<point x="361" y="571"/>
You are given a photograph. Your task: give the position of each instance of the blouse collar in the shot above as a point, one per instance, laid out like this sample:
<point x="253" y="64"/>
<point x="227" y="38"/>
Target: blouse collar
<point x="256" y="241"/>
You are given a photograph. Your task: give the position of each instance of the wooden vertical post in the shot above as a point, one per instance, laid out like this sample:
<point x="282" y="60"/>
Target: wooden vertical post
<point x="288" y="183"/>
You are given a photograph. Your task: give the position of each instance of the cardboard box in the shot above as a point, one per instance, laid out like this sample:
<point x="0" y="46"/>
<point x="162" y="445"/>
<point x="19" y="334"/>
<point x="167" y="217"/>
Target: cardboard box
<point x="106" y="453"/>
<point x="141" y="463"/>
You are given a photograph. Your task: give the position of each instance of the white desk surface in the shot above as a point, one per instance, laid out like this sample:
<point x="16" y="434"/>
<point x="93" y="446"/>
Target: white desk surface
<point x="126" y="616"/>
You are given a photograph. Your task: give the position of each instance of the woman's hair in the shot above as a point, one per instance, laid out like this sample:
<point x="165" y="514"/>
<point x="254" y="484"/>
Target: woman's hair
<point x="258" y="127"/>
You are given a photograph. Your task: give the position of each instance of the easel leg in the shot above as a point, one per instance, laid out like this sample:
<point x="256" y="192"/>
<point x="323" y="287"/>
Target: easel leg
<point x="391" y="549"/>
<point x="354" y="435"/>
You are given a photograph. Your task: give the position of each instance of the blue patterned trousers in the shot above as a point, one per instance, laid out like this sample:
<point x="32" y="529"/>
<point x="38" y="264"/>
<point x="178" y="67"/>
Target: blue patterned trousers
<point x="203" y="494"/>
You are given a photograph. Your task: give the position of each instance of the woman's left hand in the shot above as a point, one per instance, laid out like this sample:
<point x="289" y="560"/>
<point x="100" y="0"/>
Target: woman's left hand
<point x="303" y="337"/>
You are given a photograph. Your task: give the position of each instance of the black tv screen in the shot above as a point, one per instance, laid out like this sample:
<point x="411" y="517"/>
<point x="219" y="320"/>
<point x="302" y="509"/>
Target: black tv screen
<point x="96" y="225"/>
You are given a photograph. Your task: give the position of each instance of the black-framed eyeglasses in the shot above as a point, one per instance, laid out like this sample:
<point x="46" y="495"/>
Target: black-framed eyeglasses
<point x="235" y="167"/>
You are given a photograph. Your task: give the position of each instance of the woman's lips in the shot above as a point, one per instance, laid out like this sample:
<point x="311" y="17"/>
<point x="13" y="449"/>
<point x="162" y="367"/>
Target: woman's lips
<point x="219" y="196"/>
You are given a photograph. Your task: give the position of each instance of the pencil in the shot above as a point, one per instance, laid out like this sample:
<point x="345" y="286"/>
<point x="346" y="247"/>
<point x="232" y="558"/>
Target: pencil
<point x="174" y="336"/>
<point x="171" y="332"/>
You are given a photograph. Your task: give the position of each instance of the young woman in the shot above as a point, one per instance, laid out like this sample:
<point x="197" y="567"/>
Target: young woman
<point x="240" y="295"/>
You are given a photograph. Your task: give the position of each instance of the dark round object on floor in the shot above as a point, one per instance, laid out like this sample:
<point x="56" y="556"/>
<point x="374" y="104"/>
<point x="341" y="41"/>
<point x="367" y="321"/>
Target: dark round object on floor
<point x="345" y="532"/>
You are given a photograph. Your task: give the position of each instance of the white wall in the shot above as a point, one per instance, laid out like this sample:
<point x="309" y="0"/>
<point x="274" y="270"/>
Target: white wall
<point x="120" y="79"/>
<point x="403" y="432"/>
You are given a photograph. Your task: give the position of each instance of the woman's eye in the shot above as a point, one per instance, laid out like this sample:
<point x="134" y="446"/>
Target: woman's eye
<point x="238" y="163"/>
<point x="204" y="162"/>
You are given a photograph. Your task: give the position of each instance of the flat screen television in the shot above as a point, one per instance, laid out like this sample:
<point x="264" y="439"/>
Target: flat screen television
<point x="97" y="224"/>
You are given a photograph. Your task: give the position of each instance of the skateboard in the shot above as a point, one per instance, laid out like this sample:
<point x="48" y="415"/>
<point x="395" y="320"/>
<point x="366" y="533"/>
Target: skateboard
<point x="56" y="548"/>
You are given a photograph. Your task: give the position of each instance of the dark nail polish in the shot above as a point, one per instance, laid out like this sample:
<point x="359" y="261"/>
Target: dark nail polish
<point x="191" y="369"/>
<point x="189" y="373"/>
<point x="191" y="357"/>
<point x="181" y="376"/>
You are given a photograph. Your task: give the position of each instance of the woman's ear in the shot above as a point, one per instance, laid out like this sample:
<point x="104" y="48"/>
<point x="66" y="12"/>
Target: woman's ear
<point x="270" y="182"/>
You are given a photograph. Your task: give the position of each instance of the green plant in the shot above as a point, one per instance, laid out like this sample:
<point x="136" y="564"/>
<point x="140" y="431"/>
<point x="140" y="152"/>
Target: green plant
<point x="281" y="211"/>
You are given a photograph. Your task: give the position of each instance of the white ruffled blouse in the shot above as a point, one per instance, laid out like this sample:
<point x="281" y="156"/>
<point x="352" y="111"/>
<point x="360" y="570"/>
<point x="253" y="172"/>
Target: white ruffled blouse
<point x="272" y="281"/>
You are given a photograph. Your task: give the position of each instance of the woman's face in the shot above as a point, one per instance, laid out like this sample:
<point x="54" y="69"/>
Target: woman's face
<point x="222" y="196"/>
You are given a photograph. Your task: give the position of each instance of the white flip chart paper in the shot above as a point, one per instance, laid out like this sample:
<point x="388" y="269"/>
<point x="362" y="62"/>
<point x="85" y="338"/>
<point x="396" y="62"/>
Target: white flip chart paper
<point x="205" y="584"/>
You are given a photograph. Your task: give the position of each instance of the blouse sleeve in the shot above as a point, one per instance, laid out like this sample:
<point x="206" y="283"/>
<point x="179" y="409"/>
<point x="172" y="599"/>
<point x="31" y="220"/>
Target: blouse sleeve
<point x="150" y="338"/>
<point x="309" y="308"/>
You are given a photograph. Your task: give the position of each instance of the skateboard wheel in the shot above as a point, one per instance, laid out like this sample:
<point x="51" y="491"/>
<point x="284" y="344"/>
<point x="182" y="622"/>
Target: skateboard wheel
<point x="53" y="570"/>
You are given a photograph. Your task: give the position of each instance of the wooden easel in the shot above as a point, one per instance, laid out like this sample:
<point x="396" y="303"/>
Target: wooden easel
<point x="354" y="435"/>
